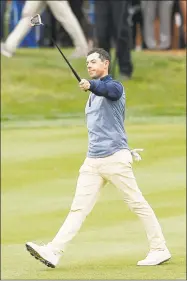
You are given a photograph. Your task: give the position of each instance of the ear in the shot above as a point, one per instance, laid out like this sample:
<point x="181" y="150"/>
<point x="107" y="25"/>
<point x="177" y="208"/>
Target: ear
<point x="107" y="63"/>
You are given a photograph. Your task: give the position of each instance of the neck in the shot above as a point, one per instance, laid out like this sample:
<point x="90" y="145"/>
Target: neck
<point x="104" y="74"/>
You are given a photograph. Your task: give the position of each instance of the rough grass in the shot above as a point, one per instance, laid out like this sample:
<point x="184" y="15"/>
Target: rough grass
<point x="38" y="84"/>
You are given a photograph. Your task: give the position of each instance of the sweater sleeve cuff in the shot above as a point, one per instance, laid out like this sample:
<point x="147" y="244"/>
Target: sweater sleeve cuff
<point x="92" y="85"/>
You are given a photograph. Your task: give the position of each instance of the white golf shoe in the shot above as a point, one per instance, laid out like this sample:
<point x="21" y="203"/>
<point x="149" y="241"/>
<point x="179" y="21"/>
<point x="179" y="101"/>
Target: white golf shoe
<point x="44" y="254"/>
<point x="5" y="52"/>
<point x="156" y="257"/>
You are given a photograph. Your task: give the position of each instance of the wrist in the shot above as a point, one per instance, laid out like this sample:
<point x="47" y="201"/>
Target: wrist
<point x="92" y="85"/>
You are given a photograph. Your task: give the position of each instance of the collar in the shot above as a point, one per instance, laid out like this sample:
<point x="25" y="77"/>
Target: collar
<point x="106" y="78"/>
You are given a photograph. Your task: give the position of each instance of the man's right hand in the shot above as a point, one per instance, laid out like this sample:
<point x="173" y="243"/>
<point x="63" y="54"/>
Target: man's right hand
<point x="84" y="84"/>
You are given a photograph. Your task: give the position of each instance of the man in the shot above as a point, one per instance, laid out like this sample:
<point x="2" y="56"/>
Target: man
<point x="112" y="22"/>
<point x="108" y="159"/>
<point x="165" y="16"/>
<point x="62" y="13"/>
<point x="136" y="18"/>
<point x="183" y="7"/>
<point x="3" y="5"/>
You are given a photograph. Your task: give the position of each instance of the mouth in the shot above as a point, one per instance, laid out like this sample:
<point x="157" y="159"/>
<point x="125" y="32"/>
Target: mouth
<point x="91" y="71"/>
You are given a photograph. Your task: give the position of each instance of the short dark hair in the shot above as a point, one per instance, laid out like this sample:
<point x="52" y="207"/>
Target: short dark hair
<point x="103" y="55"/>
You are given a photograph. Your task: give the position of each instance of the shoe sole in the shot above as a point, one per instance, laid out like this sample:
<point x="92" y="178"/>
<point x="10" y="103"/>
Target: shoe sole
<point x="164" y="261"/>
<point x="38" y="257"/>
<point x="155" y="264"/>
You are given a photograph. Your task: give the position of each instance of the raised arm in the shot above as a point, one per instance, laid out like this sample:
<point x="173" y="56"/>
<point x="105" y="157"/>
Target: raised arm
<point x="111" y="90"/>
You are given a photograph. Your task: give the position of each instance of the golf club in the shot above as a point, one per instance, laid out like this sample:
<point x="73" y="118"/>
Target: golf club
<point x="35" y="21"/>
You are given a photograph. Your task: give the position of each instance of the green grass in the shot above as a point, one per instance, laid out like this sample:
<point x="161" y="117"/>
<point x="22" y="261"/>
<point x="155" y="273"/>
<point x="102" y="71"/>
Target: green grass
<point x="41" y="158"/>
<point x="39" y="172"/>
<point x="38" y="84"/>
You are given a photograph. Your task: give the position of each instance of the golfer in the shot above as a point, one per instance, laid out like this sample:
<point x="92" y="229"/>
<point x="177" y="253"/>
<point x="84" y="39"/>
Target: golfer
<point x="109" y="159"/>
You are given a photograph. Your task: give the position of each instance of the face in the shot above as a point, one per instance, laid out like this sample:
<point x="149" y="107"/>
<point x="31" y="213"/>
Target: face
<point x="96" y="67"/>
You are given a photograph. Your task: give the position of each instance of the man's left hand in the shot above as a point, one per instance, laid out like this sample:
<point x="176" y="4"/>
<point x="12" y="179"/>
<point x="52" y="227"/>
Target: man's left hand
<point x="136" y="155"/>
<point x="84" y="84"/>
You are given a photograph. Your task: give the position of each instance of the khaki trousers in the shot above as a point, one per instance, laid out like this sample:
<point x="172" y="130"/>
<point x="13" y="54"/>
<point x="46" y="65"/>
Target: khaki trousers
<point x="94" y="173"/>
<point x="61" y="11"/>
